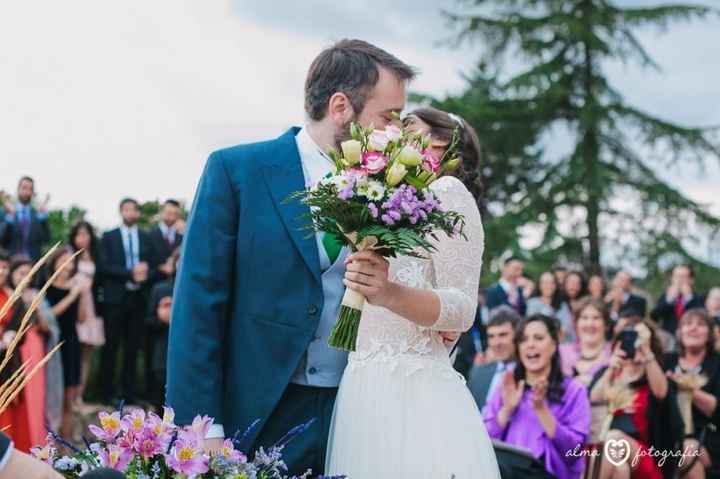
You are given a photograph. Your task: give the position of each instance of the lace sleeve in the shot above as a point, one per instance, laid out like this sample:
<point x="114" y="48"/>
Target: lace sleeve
<point x="457" y="262"/>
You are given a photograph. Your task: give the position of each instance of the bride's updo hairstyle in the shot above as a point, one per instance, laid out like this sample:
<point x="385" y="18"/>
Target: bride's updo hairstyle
<point x="442" y="125"/>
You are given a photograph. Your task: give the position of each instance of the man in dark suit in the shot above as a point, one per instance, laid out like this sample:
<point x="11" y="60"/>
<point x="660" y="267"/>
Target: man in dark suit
<point x="678" y="298"/>
<point x="621" y="297"/>
<point x="25" y="228"/>
<point x="500" y="354"/>
<point x="256" y="297"/>
<point x="166" y="238"/>
<point x="127" y="269"/>
<point x="508" y="290"/>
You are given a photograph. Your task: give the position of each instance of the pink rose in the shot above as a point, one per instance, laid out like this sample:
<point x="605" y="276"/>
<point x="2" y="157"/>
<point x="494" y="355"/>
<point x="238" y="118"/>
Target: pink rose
<point x="378" y="140"/>
<point x="430" y="163"/>
<point x="393" y="132"/>
<point x="373" y="162"/>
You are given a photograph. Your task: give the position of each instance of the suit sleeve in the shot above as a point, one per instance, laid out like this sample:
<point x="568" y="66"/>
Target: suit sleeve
<point x="154" y="274"/>
<point x="662" y="310"/>
<point x="492" y="298"/>
<point x="201" y="305"/>
<point x="642" y="304"/>
<point x="45" y="235"/>
<point x="107" y="268"/>
<point x="6" y="448"/>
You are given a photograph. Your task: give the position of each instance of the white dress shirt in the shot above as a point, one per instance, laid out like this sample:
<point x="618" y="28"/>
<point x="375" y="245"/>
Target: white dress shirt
<point x="131" y="260"/>
<point x="168" y="232"/>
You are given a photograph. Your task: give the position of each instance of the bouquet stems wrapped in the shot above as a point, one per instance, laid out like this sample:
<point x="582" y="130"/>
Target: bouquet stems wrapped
<point x="379" y="200"/>
<point x="620" y="398"/>
<point x="687" y="384"/>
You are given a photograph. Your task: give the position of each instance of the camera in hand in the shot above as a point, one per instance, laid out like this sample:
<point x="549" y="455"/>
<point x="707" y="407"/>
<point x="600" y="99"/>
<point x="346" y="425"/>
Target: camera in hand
<point x="627" y="338"/>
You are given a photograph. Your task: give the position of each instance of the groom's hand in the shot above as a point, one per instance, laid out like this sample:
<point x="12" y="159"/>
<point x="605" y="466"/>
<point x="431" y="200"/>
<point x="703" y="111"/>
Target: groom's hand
<point x="367" y="273"/>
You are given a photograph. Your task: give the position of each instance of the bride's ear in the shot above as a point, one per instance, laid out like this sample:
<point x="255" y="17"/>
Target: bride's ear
<point x="340" y="109"/>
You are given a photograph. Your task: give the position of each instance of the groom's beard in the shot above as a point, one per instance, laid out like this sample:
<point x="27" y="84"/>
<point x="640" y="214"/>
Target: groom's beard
<point x="343" y="134"/>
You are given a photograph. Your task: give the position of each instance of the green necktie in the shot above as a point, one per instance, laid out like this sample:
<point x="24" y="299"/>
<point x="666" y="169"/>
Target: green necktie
<point x="332" y="246"/>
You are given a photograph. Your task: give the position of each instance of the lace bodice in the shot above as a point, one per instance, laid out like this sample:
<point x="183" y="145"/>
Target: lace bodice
<point x="452" y="272"/>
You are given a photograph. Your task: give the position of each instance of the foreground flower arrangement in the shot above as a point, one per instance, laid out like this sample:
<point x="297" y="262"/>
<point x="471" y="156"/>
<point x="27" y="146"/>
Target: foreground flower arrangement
<point x="379" y="199"/>
<point x="143" y="445"/>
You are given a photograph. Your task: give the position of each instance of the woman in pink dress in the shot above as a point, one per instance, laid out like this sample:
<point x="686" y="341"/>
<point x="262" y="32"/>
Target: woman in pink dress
<point x="90" y="328"/>
<point x="33" y="350"/>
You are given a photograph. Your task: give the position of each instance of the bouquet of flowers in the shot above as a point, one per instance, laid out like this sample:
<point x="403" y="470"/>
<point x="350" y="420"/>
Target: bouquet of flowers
<point x="379" y="199"/>
<point x="145" y="446"/>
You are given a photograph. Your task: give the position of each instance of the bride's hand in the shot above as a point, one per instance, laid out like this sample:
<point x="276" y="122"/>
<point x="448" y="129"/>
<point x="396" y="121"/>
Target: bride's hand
<point x="367" y="273"/>
<point x="213" y="445"/>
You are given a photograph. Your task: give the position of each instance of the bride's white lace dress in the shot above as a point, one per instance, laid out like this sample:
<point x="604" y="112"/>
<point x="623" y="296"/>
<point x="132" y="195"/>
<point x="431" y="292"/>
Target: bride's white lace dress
<point x="402" y="411"/>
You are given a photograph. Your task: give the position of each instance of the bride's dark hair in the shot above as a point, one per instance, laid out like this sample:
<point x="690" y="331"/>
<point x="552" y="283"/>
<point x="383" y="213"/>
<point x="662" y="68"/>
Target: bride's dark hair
<point x="442" y="125"/>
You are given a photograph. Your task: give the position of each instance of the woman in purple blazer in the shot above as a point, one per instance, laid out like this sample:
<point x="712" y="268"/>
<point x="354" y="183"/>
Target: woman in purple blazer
<point x="537" y="407"/>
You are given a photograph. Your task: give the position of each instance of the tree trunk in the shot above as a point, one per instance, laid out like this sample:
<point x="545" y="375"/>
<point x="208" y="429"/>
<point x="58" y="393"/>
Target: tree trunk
<point x="590" y="152"/>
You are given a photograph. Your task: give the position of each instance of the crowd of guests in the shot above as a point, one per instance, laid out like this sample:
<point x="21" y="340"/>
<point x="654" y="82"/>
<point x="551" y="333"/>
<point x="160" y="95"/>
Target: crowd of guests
<point x="562" y="365"/>
<point x="558" y="365"/>
<point x="109" y="298"/>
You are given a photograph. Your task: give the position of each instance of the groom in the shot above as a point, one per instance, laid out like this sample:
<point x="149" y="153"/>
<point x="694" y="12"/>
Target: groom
<point x="256" y="298"/>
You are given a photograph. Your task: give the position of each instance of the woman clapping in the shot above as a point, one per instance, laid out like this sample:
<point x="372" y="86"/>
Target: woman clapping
<point x="537" y="407"/>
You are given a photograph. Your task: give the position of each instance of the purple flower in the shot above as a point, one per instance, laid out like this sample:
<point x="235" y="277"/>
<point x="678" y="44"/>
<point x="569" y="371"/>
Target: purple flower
<point x="148" y="444"/>
<point x="346" y="194"/>
<point x="110" y="426"/>
<point x="229" y="452"/>
<point x="373" y="210"/>
<point x="200" y="427"/>
<point x="115" y="457"/>
<point x="394" y="215"/>
<point x="135" y="421"/>
<point x="187" y="459"/>
<point x="387" y="220"/>
<point x="46" y="454"/>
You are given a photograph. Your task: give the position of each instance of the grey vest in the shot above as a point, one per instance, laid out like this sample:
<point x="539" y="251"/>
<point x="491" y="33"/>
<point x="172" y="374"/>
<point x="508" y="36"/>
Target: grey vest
<point x="321" y="365"/>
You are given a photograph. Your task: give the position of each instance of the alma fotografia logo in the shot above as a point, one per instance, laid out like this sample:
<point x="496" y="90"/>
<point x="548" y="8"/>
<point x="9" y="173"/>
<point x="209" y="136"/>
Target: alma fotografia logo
<point x="617" y="451"/>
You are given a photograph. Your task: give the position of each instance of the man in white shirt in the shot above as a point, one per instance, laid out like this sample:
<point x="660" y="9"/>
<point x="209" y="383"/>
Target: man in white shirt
<point x="500" y="355"/>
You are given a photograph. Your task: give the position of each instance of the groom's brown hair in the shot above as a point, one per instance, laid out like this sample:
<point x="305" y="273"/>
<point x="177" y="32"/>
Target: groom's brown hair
<point x="349" y="67"/>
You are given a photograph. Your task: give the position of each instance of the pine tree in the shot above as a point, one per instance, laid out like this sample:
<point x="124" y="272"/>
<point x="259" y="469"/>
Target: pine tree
<point x="605" y="199"/>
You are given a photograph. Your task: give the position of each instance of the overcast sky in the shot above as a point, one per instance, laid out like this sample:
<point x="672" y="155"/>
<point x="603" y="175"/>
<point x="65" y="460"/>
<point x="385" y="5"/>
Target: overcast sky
<point x="103" y="99"/>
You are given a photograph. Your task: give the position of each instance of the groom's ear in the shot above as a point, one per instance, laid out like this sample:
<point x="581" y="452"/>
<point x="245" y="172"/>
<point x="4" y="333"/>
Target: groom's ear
<point x="340" y="109"/>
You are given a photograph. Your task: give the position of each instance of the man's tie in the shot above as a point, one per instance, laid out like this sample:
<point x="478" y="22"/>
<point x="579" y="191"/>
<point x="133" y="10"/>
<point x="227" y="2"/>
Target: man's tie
<point x="24" y="217"/>
<point x="131" y="248"/>
<point x="332" y="246"/>
<point x="679" y="306"/>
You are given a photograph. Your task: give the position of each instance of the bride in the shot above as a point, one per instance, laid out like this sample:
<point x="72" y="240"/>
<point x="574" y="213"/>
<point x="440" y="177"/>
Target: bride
<point x="401" y="410"/>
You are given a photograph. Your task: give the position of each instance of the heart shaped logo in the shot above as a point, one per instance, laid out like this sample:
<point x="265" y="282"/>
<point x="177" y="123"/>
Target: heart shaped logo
<point x="617" y="451"/>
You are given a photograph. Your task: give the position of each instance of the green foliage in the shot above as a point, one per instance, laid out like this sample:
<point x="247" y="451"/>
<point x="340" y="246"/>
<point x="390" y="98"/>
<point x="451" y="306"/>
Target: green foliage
<point x="62" y="221"/>
<point x="330" y="214"/>
<point x="604" y="200"/>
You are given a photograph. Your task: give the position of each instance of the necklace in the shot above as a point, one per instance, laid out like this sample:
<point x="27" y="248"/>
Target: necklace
<point x="593" y="357"/>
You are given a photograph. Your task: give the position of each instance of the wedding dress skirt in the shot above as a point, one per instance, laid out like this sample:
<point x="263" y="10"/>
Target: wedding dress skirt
<point x="402" y="411"/>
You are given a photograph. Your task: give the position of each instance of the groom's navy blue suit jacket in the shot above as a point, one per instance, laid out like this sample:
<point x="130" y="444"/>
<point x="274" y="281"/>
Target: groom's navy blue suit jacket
<point x="248" y="294"/>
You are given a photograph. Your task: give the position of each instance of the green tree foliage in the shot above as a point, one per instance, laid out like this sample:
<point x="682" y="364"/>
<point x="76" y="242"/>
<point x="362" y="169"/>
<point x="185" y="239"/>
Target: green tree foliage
<point x="605" y="200"/>
<point x="61" y="222"/>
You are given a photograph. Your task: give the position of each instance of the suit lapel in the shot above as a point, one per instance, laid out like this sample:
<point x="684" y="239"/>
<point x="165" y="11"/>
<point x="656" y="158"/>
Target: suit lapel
<point x="284" y="176"/>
